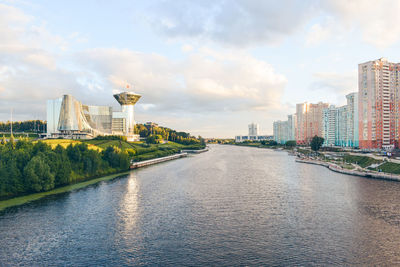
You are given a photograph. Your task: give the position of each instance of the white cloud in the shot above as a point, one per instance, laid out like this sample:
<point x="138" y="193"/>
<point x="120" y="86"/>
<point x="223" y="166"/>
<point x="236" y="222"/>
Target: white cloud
<point x="28" y="65"/>
<point x="242" y="23"/>
<point x="318" y="34"/>
<point x="187" y="48"/>
<point x="233" y="23"/>
<point x="338" y="83"/>
<point x="205" y="81"/>
<point x="378" y="20"/>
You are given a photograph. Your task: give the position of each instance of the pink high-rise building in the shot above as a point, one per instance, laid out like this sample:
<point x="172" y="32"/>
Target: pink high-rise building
<point x="309" y="121"/>
<point x="379" y="98"/>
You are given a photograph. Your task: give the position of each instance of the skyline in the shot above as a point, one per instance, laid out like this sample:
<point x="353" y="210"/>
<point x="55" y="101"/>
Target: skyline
<point x="209" y="68"/>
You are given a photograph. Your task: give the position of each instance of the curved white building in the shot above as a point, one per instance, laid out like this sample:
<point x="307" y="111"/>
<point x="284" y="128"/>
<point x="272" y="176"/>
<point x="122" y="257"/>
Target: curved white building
<point x="69" y="118"/>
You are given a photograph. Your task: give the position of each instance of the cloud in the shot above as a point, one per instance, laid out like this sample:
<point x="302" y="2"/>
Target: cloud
<point x="204" y="81"/>
<point x="202" y="85"/>
<point x="243" y="23"/>
<point x="320" y="32"/>
<point x="378" y="21"/>
<point x="338" y="83"/>
<point x="233" y="23"/>
<point x="28" y="65"/>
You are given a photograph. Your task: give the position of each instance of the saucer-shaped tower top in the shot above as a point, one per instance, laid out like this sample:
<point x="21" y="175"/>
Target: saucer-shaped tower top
<point x="127" y="98"/>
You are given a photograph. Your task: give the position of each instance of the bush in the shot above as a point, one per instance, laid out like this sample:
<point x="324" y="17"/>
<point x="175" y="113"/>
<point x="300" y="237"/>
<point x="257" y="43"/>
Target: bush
<point x="111" y="137"/>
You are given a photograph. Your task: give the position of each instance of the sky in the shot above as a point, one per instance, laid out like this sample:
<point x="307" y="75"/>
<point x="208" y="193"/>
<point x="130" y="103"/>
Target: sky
<point x="206" y="67"/>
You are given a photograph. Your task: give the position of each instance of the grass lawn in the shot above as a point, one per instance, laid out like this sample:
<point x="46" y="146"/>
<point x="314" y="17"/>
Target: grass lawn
<point x="362" y="161"/>
<point x="390" y="167"/>
<point x="139" y="147"/>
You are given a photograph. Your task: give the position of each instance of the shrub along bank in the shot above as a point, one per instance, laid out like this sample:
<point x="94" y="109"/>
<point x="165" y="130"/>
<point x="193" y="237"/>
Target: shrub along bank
<point x="27" y="167"/>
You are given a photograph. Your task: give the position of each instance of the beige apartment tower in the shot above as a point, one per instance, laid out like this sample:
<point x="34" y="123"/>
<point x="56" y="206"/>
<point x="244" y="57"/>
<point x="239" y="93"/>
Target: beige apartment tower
<point x="378" y="93"/>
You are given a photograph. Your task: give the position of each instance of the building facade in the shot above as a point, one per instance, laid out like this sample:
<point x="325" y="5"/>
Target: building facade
<point x="285" y="130"/>
<point x="341" y="127"/>
<point x="254" y="129"/>
<point x="352" y="119"/>
<point x="280" y="131"/>
<point x="378" y="92"/>
<point x="340" y="124"/>
<point x="292" y="125"/>
<point x="69" y="118"/>
<point x="309" y="121"/>
<point x="330" y="118"/>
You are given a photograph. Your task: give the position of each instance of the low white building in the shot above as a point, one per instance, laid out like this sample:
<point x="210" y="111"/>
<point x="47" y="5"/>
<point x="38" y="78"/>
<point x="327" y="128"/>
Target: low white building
<point x="254" y="130"/>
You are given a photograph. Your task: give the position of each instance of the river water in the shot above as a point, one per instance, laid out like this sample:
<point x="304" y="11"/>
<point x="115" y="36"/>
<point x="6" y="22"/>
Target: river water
<point x="229" y="206"/>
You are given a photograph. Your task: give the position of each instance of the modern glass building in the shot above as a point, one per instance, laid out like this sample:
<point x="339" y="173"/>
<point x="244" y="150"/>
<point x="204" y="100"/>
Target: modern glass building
<point x="69" y="118"/>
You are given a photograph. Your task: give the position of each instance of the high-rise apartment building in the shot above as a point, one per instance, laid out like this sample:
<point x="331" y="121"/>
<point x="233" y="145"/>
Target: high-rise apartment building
<point x="378" y="92"/>
<point x="330" y="117"/>
<point x="352" y="119"/>
<point x="340" y="124"/>
<point x="309" y="121"/>
<point x="292" y="125"/>
<point x="285" y="130"/>
<point x="280" y="131"/>
<point x="254" y="129"/>
<point x="341" y="127"/>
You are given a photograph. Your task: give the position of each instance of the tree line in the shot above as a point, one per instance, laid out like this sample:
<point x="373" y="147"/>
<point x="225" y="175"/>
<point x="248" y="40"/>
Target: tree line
<point x="154" y="133"/>
<point x="27" y="167"/>
<point x="24" y="126"/>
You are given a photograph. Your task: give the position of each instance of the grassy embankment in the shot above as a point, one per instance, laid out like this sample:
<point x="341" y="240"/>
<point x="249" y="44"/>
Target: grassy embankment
<point x="140" y="151"/>
<point x="365" y="162"/>
<point x="390" y="167"/>
<point x="32" y="197"/>
<point x="362" y="161"/>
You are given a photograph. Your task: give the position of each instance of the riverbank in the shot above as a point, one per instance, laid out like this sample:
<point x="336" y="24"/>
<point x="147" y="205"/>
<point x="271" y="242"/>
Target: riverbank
<point x="194" y="151"/>
<point x="367" y="174"/>
<point x="17" y="201"/>
<point x="149" y="162"/>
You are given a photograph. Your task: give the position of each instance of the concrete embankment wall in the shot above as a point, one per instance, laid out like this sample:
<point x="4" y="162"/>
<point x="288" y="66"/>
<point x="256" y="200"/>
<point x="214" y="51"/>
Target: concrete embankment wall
<point x="335" y="168"/>
<point x="157" y="160"/>
<point x="194" y="151"/>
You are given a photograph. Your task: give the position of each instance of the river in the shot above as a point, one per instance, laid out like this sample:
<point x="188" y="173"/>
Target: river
<point x="229" y="206"/>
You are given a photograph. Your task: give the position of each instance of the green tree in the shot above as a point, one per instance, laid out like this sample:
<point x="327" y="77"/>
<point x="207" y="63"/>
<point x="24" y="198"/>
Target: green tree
<point x="3" y="140"/>
<point x="316" y="143"/>
<point x="151" y="139"/>
<point x="38" y="176"/>
<point x="290" y="143"/>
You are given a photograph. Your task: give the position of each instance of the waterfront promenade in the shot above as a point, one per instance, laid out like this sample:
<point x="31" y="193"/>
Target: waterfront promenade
<point x="337" y="168"/>
<point x="149" y="162"/>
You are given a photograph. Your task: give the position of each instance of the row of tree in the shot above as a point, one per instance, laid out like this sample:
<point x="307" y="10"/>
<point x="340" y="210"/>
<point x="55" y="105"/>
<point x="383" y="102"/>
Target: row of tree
<point x="24" y="126"/>
<point x="315" y="144"/>
<point x="155" y="134"/>
<point x="27" y="167"/>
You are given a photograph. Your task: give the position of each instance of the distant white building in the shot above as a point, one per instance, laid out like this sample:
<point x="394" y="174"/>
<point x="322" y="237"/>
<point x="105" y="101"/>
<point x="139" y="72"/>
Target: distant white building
<point x="254" y="129"/>
<point x="254" y="134"/>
